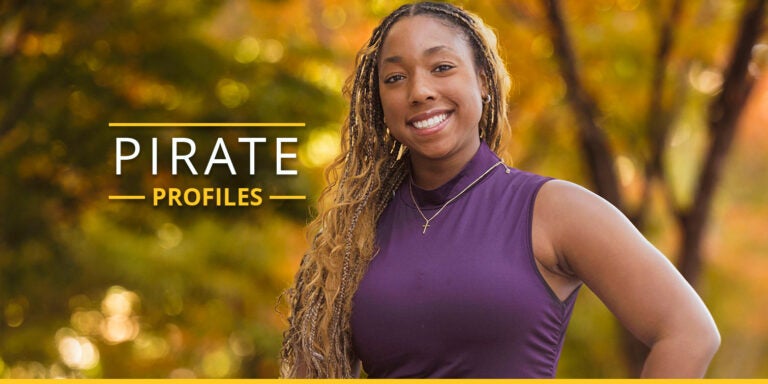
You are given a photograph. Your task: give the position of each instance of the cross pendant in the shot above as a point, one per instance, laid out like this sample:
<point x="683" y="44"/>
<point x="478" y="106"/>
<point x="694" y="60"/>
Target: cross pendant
<point x="426" y="225"/>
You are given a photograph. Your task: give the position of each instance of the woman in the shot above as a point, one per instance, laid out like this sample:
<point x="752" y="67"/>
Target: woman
<point x="431" y="258"/>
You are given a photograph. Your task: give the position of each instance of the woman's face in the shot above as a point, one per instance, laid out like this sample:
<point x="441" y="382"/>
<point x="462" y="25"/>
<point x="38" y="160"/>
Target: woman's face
<point x="430" y="90"/>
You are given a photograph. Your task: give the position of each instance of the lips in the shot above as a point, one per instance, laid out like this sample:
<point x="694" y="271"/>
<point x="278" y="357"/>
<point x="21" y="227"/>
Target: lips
<point x="428" y="120"/>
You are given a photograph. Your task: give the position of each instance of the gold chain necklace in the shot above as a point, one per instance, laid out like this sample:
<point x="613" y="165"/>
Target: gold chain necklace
<point x="426" y="221"/>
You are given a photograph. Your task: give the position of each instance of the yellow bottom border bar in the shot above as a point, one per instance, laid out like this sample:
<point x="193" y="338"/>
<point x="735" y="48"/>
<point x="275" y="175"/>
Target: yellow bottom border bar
<point x="394" y="381"/>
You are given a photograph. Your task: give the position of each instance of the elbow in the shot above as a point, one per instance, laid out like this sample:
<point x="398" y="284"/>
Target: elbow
<point x="702" y="335"/>
<point x="712" y="343"/>
<point x="704" y="340"/>
<point x="700" y="339"/>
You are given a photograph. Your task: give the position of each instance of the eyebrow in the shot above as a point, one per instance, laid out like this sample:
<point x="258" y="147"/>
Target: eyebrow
<point x="427" y="52"/>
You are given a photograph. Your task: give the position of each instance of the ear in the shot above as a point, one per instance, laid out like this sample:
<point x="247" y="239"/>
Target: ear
<point x="482" y="82"/>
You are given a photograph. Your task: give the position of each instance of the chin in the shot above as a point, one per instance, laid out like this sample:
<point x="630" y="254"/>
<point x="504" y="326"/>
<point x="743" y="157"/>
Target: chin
<point x="435" y="153"/>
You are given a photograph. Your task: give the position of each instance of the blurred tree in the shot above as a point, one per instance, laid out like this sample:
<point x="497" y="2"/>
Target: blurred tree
<point x="195" y="287"/>
<point x="97" y="288"/>
<point x="692" y="213"/>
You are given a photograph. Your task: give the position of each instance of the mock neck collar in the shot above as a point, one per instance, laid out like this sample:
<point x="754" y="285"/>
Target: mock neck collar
<point x="483" y="159"/>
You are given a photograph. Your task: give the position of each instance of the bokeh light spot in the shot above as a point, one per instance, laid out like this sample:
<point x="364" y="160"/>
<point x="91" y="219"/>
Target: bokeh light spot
<point x="704" y="80"/>
<point x="626" y="170"/>
<point x="247" y="50"/>
<point x="14" y="311"/>
<point x="759" y="63"/>
<point x="232" y="93"/>
<point x="321" y="148"/>
<point x="334" y="17"/>
<point x="182" y="373"/>
<point x="273" y="51"/>
<point x="150" y="347"/>
<point x="76" y="352"/>
<point x="87" y="322"/>
<point x="51" y="44"/>
<point x="323" y="75"/>
<point x="118" y="324"/>
<point x="218" y="364"/>
<point x="241" y="344"/>
<point x="119" y="328"/>
<point x="118" y="301"/>
<point x="31" y="45"/>
<point x="169" y="235"/>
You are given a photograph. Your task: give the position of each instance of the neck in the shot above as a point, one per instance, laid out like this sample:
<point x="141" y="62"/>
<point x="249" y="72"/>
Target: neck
<point x="431" y="173"/>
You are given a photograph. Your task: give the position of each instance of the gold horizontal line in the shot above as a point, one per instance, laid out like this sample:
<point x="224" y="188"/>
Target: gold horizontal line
<point x="127" y="197"/>
<point x="158" y="125"/>
<point x="287" y="197"/>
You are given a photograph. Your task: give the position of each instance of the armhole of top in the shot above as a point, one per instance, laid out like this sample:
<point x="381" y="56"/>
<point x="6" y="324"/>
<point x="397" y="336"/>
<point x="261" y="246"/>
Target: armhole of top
<point x="531" y="256"/>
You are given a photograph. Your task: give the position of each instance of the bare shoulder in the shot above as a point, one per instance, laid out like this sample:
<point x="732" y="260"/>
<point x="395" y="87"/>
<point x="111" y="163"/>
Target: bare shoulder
<point x="560" y="209"/>
<point x="572" y="217"/>
<point x="602" y="248"/>
<point x="560" y="199"/>
<point x="580" y="235"/>
<point x="565" y="213"/>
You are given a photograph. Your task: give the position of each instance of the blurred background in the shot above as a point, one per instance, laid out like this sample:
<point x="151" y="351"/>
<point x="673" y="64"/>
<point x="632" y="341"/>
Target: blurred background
<point x="668" y="98"/>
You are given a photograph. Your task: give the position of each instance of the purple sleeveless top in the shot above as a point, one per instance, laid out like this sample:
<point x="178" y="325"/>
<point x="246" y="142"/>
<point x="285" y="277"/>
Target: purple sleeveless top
<point x="465" y="299"/>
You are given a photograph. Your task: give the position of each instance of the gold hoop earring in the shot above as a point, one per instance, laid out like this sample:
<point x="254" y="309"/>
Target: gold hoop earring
<point x="486" y="99"/>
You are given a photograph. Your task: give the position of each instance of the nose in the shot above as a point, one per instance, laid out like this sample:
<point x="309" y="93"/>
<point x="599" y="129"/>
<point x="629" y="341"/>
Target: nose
<point x="421" y="89"/>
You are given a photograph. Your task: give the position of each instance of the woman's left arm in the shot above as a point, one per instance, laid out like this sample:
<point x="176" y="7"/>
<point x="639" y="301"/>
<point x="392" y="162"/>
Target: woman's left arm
<point x="596" y="242"/>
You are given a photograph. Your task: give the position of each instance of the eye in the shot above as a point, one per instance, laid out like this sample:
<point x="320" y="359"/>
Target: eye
<point x="443" y="68"/>
<point x="393" y="78"/>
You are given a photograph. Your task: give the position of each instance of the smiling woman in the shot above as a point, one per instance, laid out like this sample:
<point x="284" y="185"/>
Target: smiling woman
<point x="431" y="94"/>
<point x="432" y="258"/>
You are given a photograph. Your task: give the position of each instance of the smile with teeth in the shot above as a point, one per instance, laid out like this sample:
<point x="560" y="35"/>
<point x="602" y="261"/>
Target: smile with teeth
<point x="431" y="122"/>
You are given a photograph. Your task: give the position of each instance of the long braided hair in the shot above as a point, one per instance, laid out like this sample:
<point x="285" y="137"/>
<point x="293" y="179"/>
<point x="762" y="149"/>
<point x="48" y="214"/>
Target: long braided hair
<point x="361" y="181"/>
